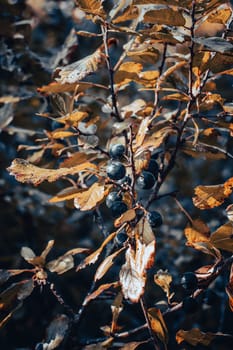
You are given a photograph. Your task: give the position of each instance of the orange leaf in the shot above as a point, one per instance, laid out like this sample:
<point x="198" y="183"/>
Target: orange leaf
<point x="207" y="197"/>
<point x="133" y="272"/>
<point x="157" y="324"/>
<point x="24" y="171"/>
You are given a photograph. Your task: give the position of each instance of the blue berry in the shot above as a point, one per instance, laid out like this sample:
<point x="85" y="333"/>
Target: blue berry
<point x="155" y="219"/>
<point x="113" y="197"/>
<point x="117" y="150"/>
<point x="118" y="208"/>
<point x="146" y="180"/>
<point x="116" y="171"/>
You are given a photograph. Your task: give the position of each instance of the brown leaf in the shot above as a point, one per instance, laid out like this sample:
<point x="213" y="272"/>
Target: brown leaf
<point x="92" y="258"/>
<point x="66" y="261"/>
<point x="78" y="70"/>
<point x="27" y="172"/>
<point x="165" y="15"/>
<point x="100" y="290"/>
<point x="127" y="72"/>
<point x="195" y="337"/>
<point x="106" y="264"/>
<point x="145" y="231"/>
<point x="93" y="7"/>
<point x="116" y="308"/>
<point x="127" y="216"/>
<point x="207" y="197"/>
<point x="222" y="238"/>
<point x="87" y="199"/>
<point x="157" y="324"/>
<point x="58" y="87"/>
<point x="133" y="272"/>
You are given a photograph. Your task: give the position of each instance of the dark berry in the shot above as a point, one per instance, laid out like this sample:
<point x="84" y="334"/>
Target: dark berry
<point x="190" y="305"/>
<point x="126" y="180"/>
<point x="210" y="297"/>
<point x="117" y="150"/>
<point x="153" y="167"/>
<point x="189" y="281"/>
<point x="146" y="180"/>
<point x="155" y="219"/>
<point x="118" y="208"/>
<point x="113" y="197"/>
<point x="116" y="171"/>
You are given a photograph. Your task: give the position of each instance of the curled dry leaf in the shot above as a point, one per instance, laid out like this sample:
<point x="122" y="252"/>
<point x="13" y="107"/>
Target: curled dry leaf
<point x="145" y="231"/>
<point x="207" y="197"/>
<point x="92" y="7"/>
<point x="158" y="325"/>
<point x="24" y="171"/>
<point x="133" y="272"/>
<point x="195" y="337"/>
<point x="87" y="199"/>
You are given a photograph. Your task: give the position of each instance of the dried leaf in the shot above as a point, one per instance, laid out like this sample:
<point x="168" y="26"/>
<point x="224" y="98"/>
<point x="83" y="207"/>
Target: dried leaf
<point x="116" y="308"/>
<point x="89" y="198"/>
<point x="127" y="72"/>
<point x="27" y="172"/>
<point x="145" y="231"/>
<point x="133" y="272"/>
<point x="207" y="197"/>
<point x="76" y="71"/>
<point x="127" y="216"/>
<point x="165" y="15"/>
<point x="222" y="238"/>
<point x="106" y="264"/>
<point x="157" y="324"/>
<point x="93" y="7"/>
<point x="92" y="258"/>
<point x="195" y="337"/>
<point x="100" y="290"/>
<point x="201" y="150"/>
<point x="163" y="279"/>
<point x="215" y="44"/>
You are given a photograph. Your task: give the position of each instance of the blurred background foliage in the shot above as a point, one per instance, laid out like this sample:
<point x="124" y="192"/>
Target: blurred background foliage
<point x="32" y="35"/>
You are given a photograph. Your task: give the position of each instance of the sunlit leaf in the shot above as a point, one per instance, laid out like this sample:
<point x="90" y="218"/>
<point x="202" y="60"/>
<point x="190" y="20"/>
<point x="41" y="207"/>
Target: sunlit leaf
<point x="222" y="238"/>
<point x="207" y="197"/>
<point x="220" y="15"/>
<point x="195" y="337"/>
<point x="76" y="71"/>
<point x="127" y="216"/>
<point x="133" y="272"/>
<point x="116" y="308"/>
<point x="87" y="199"/>
<point x="100" y="290"/>
<point x="157" y="324"/>
<point x="92" y="258"/>
<point x="163" y="279"/>
<point x="93" y="7"/>
<point x="106" y="264"/>
<point x="27" y="172"/>
<point x="145" y="231"/>
<point x="127" y="72"/>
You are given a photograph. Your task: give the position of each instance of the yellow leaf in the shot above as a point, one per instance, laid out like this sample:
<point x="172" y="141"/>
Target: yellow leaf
<point x="87" y="199"/>
<point x="207" y="197"/>
<point x="93" y="7"/>
<point x="157" y="324"/>
<point x="194" y="337"/>
<point x="100" y="290"/>
<point x="163" y="279"/>
<point x="27" y="172"/>
<point x="165" y="15"/>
